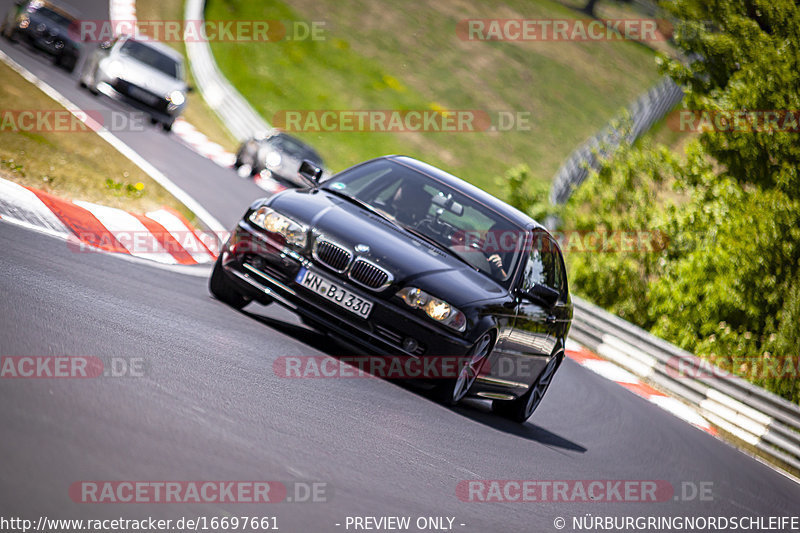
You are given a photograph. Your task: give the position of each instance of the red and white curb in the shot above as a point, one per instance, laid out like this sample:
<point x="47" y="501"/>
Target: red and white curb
<point x="197" y="141"/>
<point x="622" y="377"/>
<point x="121" y="13"/>
<point x="163" y="235"/>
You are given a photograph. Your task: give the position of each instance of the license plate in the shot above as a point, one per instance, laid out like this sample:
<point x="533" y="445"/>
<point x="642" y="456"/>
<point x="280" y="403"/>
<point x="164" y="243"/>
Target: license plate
<point x="334" y="292"/>
<point x="141" y="95"/>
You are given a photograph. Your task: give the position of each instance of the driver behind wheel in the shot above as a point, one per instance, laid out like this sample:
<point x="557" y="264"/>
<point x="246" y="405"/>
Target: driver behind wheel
<point x="499" y="249"/>
<point x="410" y="203"/>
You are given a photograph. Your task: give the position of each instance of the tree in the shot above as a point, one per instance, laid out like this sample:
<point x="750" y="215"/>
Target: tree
<point x="746" y="58"/>
<point x="727" y="286"/>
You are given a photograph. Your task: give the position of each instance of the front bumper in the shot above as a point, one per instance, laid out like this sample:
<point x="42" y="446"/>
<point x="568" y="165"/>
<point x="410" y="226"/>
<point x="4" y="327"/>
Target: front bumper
<point x="46" y="43"/>
<point x="156" y="106"/>
<point x="263" y="268"/>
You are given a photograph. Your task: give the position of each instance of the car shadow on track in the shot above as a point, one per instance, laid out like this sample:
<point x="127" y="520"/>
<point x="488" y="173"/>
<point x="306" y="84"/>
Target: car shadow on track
<point x="474" y="409"/>
<point x="314" y="339"/>
<point x="480" y="411"/>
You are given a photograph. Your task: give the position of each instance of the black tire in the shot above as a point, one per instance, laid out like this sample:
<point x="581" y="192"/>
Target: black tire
<point x="522" y="408"/>
<point x="10" y="33"/>
<point x="66" y="62"/>
<point x="167" y="126"/>
<point x="93" y="86"/>
<point x="452" y="391"/>
<point x="223" y="289"/>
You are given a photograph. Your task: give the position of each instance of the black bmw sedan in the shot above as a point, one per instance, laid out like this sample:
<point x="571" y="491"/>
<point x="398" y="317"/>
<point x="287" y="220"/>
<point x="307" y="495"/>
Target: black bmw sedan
<point x="46" y="27"/>
<point x="406" y="260"/>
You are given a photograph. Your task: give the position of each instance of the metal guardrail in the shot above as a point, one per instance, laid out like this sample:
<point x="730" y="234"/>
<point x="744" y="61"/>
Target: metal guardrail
<point x="750" y="413"/>
<point x="648" y="109"/>
<point x="235" y="112"/>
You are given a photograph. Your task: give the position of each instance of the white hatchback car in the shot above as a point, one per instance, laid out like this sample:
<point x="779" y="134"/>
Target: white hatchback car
<point x="148" y="74"/>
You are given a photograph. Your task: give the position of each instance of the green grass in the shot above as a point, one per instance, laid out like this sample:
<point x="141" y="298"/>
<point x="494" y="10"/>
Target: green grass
<point x="384" y="55"/>
<point x="70" y="164"/>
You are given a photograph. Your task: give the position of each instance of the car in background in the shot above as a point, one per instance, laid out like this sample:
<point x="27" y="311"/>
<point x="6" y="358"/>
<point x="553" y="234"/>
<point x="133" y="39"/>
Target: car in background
<point x="277" y="154"/>
<point x="46" y="27"/>
<point x="147" y="74"/>
<point x="405" y="260"/>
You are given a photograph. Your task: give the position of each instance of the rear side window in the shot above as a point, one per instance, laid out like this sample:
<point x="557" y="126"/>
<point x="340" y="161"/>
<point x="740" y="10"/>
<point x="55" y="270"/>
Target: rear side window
<point x="545" y="265"/>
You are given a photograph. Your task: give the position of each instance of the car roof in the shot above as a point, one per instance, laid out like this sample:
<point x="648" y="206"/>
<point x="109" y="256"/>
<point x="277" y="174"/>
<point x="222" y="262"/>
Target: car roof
<point x="158" y="45"/>
<point x="280" y="133"/>
<point x="494" y="203"/>
<point x="59" y="7"/>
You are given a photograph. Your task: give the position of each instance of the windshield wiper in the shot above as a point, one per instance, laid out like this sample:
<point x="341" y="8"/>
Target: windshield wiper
<point x="365" y="205"/>
<point x="438" y="245"/>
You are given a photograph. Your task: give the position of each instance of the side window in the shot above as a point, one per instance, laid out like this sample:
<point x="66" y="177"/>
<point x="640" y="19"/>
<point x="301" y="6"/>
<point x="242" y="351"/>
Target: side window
<point x="544" y="265"/>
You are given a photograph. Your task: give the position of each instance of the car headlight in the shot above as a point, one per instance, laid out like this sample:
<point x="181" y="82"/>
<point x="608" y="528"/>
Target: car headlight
<point x="437" y="309"/>
<point x="272" y="221"/>
<point x="176" y="97"/>
<point x="23" y="22"/>
<point x="114" y="68"/>
<point x="273" y="159"/>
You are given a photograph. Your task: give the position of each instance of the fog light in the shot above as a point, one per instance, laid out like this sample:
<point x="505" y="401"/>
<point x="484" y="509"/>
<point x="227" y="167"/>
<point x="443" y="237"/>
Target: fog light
<point x="409" y="344"/>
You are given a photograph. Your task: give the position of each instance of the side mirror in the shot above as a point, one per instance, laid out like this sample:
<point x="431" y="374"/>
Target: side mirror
<point x="541" y="294"/>
<point x="105" y="45"/>
<point x="310" y="171"/>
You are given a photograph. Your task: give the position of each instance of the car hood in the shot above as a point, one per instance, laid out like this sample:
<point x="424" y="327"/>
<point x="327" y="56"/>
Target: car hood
<point x="148" y="77"/>
<point x="412" y="261"/>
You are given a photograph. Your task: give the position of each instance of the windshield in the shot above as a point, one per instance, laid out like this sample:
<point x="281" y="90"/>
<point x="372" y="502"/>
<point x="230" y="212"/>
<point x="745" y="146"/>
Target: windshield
<point x="52" y="16"/>
<point x="150" y="56"/>
<point x="478" y="235"/>
<point x="295" y="148"/>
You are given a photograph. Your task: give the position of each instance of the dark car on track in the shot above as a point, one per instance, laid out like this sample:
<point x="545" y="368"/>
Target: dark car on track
<point x="405" y="260"/>
<point x="278" y="154"/>
<point x="47" y="27"/>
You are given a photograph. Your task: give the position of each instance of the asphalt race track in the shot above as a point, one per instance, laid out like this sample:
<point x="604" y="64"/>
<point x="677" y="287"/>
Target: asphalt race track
<point x="209" y="405"/>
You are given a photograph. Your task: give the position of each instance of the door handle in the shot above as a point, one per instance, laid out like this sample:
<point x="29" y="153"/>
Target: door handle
<point x="550" y="319"/>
